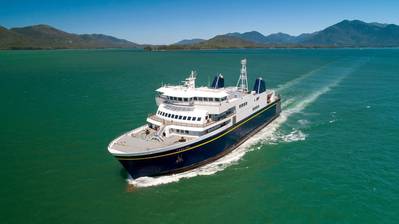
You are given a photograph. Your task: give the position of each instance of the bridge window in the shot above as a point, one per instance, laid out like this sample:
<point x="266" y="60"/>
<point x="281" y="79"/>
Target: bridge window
<point x="198" y="118"/>
<point x="185" y="117"/>
<point x="180" y="117"/>
<point x="243" y="105"/>
<point x="189" y="118"/>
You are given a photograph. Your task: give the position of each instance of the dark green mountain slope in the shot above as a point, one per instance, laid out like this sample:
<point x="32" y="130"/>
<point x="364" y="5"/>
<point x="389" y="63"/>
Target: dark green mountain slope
<point x="47" y="37"/>
<point x="356" y="33"/>
<point x="225" y="41"/>
<point x="189" y="41"/>
<point x="217" y="42"/>
<point x="275" y="38"/>
<point x="346" y="33"/>
<point x="253" y="36"/>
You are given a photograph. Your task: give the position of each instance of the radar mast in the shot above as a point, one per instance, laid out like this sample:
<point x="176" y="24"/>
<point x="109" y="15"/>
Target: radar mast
<point x="242" y="83"/>
<point x="190" y="81"/>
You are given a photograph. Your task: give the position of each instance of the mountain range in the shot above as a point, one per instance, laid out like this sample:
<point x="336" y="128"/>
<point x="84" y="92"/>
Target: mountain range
<point x="47" y="37"/>
<point x="190" y="41"/>
<point x="347" y="33"/>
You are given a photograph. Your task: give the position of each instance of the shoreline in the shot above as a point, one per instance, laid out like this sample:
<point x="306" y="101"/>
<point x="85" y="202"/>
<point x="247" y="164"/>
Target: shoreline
<point x="198" y="49"/>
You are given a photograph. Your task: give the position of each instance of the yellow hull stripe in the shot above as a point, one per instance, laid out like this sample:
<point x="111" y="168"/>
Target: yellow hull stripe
<point x="211" y="140"/>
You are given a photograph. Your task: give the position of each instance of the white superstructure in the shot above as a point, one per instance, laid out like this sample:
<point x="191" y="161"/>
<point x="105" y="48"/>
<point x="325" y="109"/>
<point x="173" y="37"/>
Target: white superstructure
<point x="187" y="113"/>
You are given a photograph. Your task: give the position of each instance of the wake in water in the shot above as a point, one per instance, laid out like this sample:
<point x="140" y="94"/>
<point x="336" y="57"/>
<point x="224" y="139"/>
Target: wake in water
<point x="326" y="78"/>
<point x="302" y="77"/>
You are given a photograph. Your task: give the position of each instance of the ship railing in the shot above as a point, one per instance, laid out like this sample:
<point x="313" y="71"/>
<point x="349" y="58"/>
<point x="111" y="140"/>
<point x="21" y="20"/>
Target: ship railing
<point x="178" y="108"/>
<point x="176" y="102"/>
<point x="190" y="102"/>
<point x="171" y="122"/>
<point x="207" y="103"/>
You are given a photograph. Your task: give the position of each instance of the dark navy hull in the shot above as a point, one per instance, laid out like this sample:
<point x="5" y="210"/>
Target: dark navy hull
<point x="201" y="152"/>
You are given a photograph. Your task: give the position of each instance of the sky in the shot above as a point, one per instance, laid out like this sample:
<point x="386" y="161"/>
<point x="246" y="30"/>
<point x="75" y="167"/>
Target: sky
<point x="165" y="22"/>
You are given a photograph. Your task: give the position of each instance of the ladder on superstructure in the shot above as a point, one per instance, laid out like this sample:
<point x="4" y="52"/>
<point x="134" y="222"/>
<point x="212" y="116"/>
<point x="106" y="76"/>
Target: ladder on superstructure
<point x="242" y="83"/>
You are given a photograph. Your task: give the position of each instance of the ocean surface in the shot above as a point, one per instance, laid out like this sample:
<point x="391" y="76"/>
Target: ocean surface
<point x="332" y="156"/>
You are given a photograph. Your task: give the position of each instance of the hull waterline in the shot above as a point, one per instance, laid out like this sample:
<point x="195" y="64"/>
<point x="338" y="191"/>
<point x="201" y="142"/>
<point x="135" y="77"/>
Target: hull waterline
<point x="202" y="152"/>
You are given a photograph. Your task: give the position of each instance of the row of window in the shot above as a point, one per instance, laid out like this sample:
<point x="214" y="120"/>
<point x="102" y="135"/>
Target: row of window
<point x="205" y="99"/>
<point x="242" y="105"/>
<point x="180" y="131"/>
<point x="255" y="108"/>
<point x="210" y="99"/>
<point x="179" y="117"/>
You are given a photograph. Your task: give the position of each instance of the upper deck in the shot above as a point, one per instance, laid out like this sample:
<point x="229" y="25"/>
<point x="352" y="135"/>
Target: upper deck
<point x="188" y="113"/>
<point x="144" y="140"/>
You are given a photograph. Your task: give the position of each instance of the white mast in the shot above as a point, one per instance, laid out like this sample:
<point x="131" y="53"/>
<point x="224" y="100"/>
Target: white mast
<point x="242" y="83"/>
<point x="190" y="81"/>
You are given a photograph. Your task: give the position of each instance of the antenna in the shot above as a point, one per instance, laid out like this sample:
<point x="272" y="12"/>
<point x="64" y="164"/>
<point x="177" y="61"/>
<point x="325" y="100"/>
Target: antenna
<point x="242" y="83"/>
<point x="190" y="81"/>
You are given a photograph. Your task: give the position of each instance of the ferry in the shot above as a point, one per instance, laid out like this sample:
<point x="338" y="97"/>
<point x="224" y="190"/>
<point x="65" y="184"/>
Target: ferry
<point x="194" y="126"/>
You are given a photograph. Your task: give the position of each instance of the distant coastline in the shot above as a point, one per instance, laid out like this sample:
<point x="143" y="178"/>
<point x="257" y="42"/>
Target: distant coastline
<point x="44" y="37"/>
<point x="154" y="49"/>
<point x="169" y="48"/>
<point x="345" y="34"/>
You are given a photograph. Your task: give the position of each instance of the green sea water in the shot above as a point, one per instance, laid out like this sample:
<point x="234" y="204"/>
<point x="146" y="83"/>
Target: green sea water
<point x="332" y="156"/>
